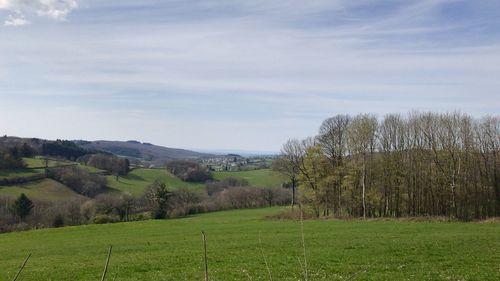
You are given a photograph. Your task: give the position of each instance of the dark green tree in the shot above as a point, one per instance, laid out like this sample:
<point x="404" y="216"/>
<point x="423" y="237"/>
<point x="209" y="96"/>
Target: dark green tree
<point x="22" y="206"/>
<point x="159" y="195"/>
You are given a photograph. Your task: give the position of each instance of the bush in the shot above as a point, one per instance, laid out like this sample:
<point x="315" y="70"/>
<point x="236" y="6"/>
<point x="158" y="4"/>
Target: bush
<point x="58" y="221"/>
<point x="215" y="187"/>
<point x="78" y="179"/>
<point x="11" y="158"/>
<point x="103" y="219"/>
<point x="189" y="171"/>
<point x="113" y="164"/>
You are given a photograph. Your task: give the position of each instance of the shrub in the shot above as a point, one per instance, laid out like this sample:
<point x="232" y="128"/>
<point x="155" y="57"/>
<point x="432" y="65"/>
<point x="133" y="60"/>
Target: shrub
<point x="58" y="221"/>
<point x="103" y="219"/>
<point x="113" y="164"/>
<point x="78" y="179"/>
<point x="189" y="171"/>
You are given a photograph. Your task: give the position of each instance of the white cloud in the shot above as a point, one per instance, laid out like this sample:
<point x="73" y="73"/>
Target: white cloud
<point x="16" y="21"/>
<point x="53" y="9"/>
<point x="4" y="4"/>
<point x="215" y="74"/>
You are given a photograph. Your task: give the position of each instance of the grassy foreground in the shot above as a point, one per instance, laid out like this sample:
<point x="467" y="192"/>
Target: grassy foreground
<point x="172" y="250"/>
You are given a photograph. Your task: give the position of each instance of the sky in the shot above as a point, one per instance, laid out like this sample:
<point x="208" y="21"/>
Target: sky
<point x="243" y="75"/>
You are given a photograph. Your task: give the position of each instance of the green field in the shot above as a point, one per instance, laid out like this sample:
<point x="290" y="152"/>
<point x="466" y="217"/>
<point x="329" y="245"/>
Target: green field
<point x="47" y="189"/>
<point x="172" y="250"/>
<point x="39" y="162"/>
<point x="33" y="166"/>
<point x="138" y="180"/>
<point x="261" y="178"/>
<point x="19" y="172"/>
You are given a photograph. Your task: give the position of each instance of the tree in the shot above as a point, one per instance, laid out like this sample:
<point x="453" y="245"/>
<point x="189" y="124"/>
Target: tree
<point x="362" y="132"/>
<point x="26" y="150"/>
<point x="22" y="206"/>
<point x="332" y="139"/>
<point x="159" y="195"/>
<point x="285" y="166"/>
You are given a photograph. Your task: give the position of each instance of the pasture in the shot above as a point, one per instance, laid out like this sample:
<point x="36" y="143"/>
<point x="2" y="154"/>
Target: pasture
<point x="45" y="190"/>
<point x="260" y="178"/>
<point x="336" y="250"/>
<point x="139" y="179"/>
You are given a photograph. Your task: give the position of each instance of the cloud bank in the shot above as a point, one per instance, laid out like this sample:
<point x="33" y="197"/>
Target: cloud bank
<point x="218" y="74"/>
<point x="20" y="9"/>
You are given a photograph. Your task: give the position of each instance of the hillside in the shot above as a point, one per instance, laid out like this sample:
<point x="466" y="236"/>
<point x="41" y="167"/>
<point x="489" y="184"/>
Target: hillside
<point x="260" y="178"/>
<point x="157" y="155"/>
<point x="138" y="180"/>
<point x="45" y="190"/>
<point x="336" y="250"/>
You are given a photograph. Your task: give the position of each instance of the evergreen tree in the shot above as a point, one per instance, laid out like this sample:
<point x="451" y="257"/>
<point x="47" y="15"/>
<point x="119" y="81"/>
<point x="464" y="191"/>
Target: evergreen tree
<point x="22" y="206"/>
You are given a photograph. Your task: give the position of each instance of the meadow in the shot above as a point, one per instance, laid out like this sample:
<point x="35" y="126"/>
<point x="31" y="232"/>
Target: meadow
<point x="139" y="179"/>
<point x="45" y="190"/>
<point x="135" y="183"/>
<point x="260" y="178"/>
<point x="336" y="250"/>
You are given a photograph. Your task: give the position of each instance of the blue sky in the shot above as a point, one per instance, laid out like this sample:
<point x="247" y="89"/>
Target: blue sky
<point x="238" y="74"/>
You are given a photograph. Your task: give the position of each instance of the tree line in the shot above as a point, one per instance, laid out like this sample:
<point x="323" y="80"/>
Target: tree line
<point x="419" y="164"/>
<point x="157" y="202"/>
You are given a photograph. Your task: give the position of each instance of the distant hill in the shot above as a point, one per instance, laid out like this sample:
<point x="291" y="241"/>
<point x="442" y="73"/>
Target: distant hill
<point x="154" y="154"/>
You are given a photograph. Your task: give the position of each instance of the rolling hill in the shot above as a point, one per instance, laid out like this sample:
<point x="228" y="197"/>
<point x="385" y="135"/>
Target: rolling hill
<point x="154" y="154"/>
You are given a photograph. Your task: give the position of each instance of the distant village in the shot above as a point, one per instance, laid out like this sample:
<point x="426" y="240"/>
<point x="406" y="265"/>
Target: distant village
<point x="235" y="162"/>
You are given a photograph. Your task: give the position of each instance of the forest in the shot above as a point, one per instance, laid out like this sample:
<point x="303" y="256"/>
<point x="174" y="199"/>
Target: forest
<point x="418" y="164"/>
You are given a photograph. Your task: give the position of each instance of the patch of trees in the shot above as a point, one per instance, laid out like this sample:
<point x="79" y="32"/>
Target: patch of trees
<point x="189" y="171"/>
<point x="20" y="180"/>
<point x="11" y="158"/>
<point x="63" y="148"/>
<point x="78" y="179"/>
<point x="158" y="202"/>
<point x="183" y="201"/>
<point x="214" y="187"/>
<point x="421" y="164"/>
<point x="115" y="165"/>
<point x="125" y="151"/>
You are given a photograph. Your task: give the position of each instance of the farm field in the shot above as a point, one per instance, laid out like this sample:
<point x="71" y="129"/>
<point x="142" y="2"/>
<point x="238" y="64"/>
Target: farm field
<point x="139" y="179"/>
<point x="33" y="166"/>
<point x="261" y="178"/>
<point x="172" y="249"/>
<point x="134" y="183"/>
<point x="47" y="190"/>
<point x="19" y="172"/>
<point x="38" y="162"/>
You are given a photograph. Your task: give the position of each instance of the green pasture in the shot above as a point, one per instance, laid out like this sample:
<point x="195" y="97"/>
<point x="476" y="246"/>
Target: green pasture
<point x="335" y="250"/>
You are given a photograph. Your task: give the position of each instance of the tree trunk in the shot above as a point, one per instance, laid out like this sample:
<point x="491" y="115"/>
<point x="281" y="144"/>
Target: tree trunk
<point x="364" y="187"/>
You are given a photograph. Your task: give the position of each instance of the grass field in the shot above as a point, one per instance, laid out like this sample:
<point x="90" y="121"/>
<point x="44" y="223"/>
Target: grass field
<point x="19" y="172"/>
<point x="261" y="178"/>
<point x="33" y="166"/>
<point x="46" y="189"/>
<point x="172" y="250"/>
<point x="38" y="162"/>
<point x="139" y="179"/>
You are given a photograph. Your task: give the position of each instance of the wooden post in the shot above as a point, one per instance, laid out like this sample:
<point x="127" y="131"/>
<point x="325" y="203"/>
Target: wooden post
<point x="22" y="267"/>
<point x="107" y="263"/>
<point x="205" y="254"/>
